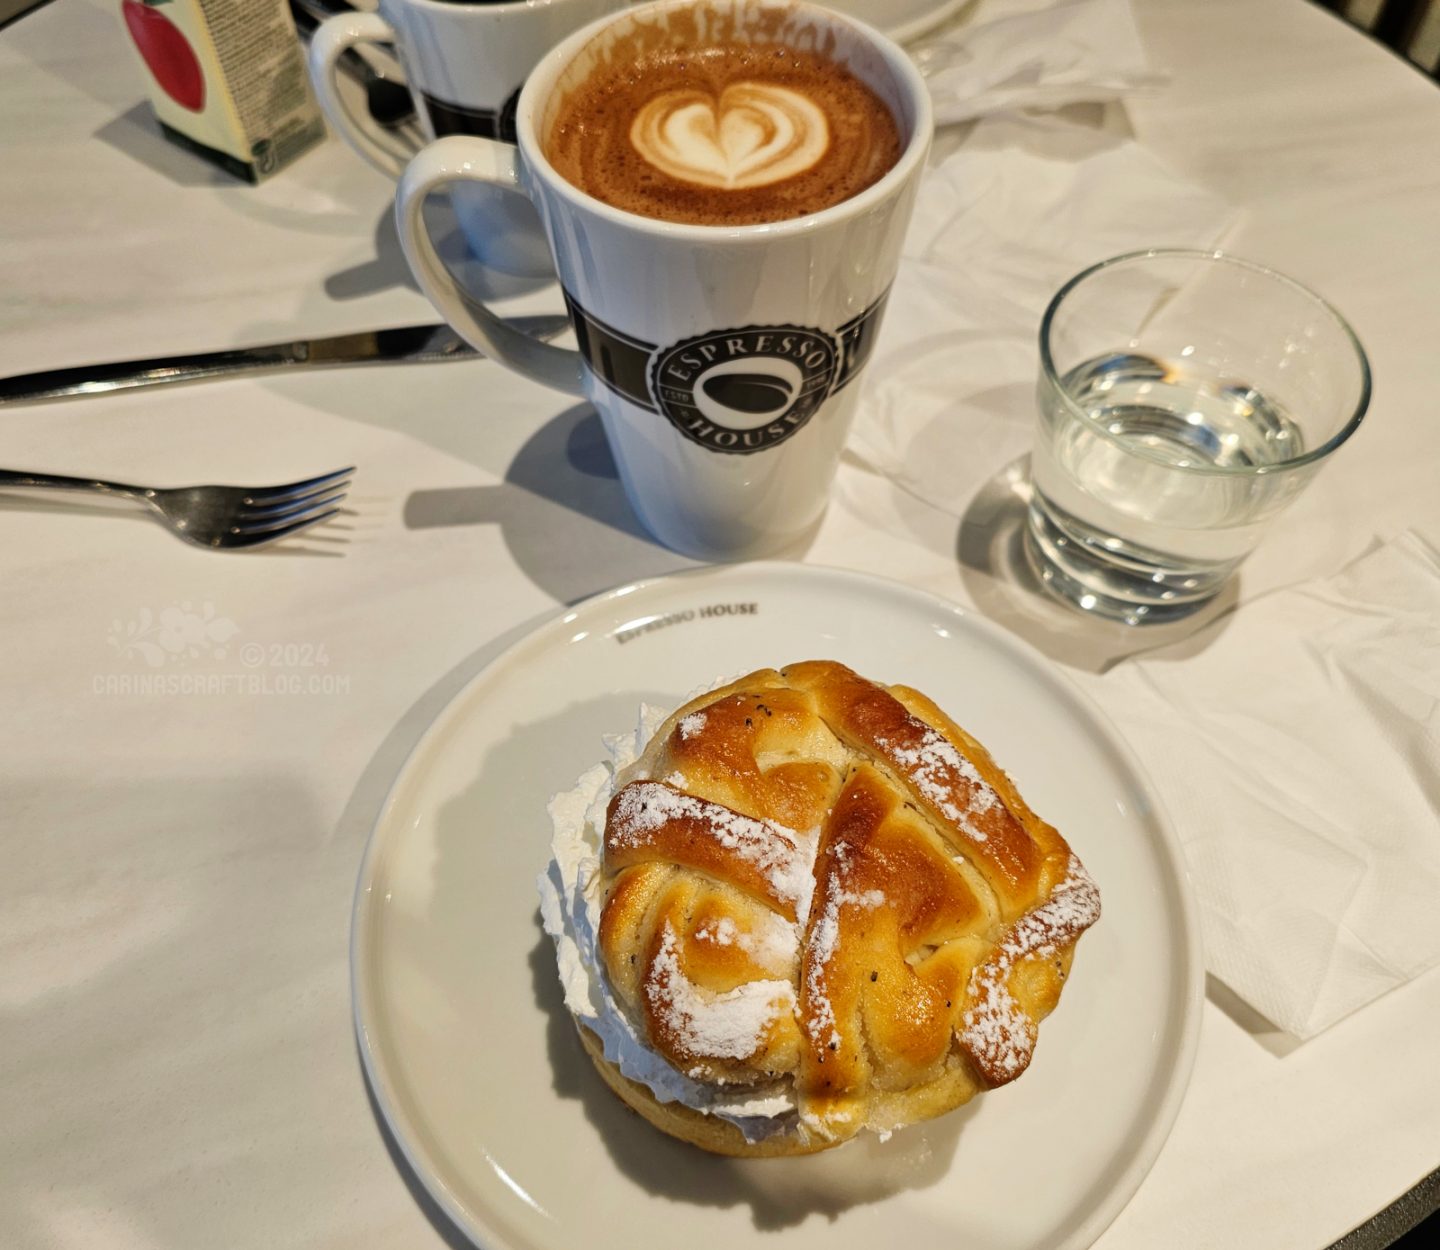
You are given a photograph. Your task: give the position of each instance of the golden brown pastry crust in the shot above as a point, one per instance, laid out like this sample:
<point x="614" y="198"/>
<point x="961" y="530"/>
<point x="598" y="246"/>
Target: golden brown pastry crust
<point x="810" y="878"/>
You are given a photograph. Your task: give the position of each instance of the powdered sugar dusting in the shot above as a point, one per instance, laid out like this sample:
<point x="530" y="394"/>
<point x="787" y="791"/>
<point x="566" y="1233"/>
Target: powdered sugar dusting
<point x="712" y="1026"/>
<point x="933" y="766"/>
<point x="996" y="1030"/>
<point x="692" y="726"/>
<point x="773" y="943"/>
<point x="785" y="857"/>
<point x="723" y="932"/>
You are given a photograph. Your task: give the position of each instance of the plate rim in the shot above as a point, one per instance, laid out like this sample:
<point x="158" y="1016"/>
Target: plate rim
<point x="473" y="1224"/>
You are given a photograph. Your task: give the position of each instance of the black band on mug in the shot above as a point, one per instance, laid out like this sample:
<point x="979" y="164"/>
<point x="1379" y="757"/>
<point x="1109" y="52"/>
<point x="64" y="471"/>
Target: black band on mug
<point x="616" y="359"/>
<point x="734" y="391"/>
<point x="465" y="119"/>
<point x="857" y="340"/>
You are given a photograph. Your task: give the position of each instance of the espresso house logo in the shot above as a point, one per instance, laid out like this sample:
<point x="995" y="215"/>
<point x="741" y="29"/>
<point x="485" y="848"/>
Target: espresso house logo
<point x="733" y="391"/>
<point x="744" y="390"/>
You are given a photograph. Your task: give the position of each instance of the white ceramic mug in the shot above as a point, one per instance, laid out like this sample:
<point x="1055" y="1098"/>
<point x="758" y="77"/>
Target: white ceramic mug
<point x="465" y="64"/>
<point x="662" y="310"/>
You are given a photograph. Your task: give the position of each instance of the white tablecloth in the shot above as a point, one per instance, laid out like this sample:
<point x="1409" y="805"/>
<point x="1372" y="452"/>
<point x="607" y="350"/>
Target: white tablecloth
<point x="176" y="1062"/>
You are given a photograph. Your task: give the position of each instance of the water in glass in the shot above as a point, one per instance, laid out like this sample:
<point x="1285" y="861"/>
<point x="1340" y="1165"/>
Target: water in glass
<point x="1122" y="506"/>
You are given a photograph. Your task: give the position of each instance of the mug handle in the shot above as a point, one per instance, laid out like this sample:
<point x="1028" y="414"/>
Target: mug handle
<point x="332" y="39"/>
<point x="468" y="158"/>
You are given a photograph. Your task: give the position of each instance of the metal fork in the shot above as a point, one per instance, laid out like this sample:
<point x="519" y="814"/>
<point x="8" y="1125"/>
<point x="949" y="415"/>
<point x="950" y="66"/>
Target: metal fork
<point x="217" y="516"/>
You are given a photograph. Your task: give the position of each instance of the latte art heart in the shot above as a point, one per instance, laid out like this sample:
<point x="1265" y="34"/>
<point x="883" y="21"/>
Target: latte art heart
<point x="727" y="133"/>
<point x="753" y="135"/>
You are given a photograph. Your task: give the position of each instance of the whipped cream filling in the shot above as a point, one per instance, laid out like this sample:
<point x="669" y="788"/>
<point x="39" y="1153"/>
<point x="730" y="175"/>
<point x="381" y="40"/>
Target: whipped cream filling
<point x="755" y="134"/>
<point x="571" y="900"/>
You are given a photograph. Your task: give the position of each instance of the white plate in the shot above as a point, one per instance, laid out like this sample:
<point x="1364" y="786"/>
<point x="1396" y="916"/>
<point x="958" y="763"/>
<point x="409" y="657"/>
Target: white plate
<point x="475" y="1064"/>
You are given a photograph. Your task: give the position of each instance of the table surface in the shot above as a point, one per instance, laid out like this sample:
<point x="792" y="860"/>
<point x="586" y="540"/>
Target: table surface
<point x="177" y="1067"/>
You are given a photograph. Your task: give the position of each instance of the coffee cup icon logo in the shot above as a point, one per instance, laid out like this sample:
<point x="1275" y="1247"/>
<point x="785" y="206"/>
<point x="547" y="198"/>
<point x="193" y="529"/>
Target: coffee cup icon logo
<point x="759" y="393"/>
<point x="744" y="390"/>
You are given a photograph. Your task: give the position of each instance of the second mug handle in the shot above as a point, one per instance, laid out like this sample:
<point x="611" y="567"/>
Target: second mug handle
<point x="333" y="38"/>
<point x="465" y="158"/>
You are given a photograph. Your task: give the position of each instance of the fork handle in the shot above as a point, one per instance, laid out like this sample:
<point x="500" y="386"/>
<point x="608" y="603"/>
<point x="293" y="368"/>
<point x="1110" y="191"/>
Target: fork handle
<point x="58" y="481"/>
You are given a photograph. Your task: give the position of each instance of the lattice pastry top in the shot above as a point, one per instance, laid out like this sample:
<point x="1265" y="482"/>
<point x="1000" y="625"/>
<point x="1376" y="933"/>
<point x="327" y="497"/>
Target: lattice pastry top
<point x="810" y="878"/>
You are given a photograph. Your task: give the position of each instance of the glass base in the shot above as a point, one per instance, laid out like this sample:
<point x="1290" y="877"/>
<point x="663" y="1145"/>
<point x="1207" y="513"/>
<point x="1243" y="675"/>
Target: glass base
<point x="1107" y="578"/>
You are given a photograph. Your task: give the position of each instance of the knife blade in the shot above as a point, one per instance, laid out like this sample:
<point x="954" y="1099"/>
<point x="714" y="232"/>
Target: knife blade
<point x="402" y="345"/>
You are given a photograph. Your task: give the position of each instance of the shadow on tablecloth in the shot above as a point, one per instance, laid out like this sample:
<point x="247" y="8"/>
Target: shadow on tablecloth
<point x="561" y="511"/>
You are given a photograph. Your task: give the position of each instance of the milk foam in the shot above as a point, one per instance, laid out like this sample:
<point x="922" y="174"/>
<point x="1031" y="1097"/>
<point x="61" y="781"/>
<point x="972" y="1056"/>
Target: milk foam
<point x="755" y="134"/>
<point x="727" y="133"/>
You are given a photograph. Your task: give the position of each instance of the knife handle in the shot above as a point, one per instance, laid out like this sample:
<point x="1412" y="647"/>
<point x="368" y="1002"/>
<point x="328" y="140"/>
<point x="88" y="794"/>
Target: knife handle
<point x="396" y="345"/>
<point x="102" y="379"/>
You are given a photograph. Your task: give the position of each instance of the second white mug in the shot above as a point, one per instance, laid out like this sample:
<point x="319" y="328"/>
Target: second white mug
<point x="465" y="65"/>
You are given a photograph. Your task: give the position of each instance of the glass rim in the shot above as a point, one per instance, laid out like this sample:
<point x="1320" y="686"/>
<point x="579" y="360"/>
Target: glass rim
<point x="1351" y="424"/>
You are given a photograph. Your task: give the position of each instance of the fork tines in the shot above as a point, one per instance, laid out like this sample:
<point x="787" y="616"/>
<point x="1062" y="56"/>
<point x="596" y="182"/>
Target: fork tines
<point x="279" y="511"/>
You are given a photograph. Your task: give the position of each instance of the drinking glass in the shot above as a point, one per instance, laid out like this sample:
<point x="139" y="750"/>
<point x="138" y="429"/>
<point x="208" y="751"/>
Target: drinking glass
<point x="1185" y="399"/>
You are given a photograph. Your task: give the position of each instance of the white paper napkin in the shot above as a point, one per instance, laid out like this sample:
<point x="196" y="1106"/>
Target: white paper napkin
<point x="1297" y="742"/>
<point x="1000" y="224"/>
<point x="1032" y="54"/>
<point x="1296" y="745"/>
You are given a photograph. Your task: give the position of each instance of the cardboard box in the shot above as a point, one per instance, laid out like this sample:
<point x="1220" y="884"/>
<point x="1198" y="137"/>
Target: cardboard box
<point x="227" y="79"/>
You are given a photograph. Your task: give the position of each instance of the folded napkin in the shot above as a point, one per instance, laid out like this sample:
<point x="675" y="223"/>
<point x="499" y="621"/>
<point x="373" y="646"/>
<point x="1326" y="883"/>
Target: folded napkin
<point x="1001" y="55"/>
<point x="1296" y="745"/>
<point x="1019" y="207"/>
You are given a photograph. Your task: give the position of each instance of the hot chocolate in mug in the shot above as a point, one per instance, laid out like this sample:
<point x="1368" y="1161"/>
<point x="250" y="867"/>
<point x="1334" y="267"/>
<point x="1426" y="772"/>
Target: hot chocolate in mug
<point x="723" y="305"/>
